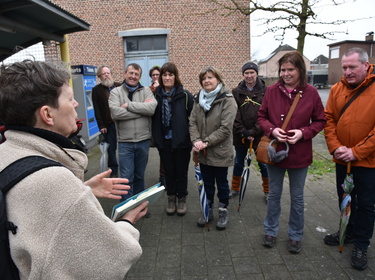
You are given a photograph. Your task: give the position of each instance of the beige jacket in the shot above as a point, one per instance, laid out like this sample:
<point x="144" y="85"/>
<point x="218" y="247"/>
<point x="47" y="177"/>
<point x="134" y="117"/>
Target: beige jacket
<point x="63" y="232"/>
<point x="134" y="123"/>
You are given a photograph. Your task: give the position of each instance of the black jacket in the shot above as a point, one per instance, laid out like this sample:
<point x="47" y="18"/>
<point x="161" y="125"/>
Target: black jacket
<point x="245" y="123"/>
<point x="101" y="108"/>
<point x="182" y="104"/>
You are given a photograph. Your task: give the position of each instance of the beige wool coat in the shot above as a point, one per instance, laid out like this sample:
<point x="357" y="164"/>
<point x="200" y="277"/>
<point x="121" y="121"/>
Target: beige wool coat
<point x="63" y="232"/>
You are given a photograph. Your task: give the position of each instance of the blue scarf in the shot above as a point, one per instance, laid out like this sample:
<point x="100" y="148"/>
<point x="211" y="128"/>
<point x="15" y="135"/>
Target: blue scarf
<point x="206" y="98"/>
<point x="166" y="111"/>
<point x="131" y="90"/>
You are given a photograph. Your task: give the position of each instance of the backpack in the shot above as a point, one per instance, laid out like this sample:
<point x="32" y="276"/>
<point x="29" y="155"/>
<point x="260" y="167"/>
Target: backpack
<point x="9" y="177"/>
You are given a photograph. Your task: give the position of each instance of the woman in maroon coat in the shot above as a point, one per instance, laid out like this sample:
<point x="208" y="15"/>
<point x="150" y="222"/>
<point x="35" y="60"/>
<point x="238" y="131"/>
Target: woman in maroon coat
<point x="306" y="122"/>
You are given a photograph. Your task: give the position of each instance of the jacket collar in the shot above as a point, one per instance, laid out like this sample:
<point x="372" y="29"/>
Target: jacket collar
<point x="51" y="136"/>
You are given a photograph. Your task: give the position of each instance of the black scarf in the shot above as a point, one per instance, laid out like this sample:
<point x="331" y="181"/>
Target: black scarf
<point x="51" y="136"/>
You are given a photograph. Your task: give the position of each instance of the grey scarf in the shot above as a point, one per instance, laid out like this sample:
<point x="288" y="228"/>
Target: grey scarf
<point x="206" y="98"/>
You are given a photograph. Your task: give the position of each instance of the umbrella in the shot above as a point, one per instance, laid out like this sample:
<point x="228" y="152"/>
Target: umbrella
<point x="202" y="193"/>
<point x="245" y="176"/>
<point x="345" y="205"/>
<point x="103" y="146"/>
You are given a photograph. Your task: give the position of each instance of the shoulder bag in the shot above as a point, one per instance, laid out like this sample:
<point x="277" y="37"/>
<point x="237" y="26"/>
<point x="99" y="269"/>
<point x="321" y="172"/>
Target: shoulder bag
<point x="266" y="144"/>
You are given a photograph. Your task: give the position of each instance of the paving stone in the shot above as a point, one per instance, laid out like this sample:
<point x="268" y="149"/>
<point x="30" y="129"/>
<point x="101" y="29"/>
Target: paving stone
<point x="176" y="248"/>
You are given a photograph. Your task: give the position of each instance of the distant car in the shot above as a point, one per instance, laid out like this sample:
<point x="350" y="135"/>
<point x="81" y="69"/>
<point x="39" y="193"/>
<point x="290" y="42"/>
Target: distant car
<point x="319" y="85"/>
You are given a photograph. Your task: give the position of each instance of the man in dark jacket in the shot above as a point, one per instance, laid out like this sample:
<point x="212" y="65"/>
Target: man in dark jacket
<point x="248" y="95"/>
<point x="100" y="95"/>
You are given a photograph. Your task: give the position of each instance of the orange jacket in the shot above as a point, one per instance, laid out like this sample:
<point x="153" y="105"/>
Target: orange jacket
<point x="356" y="127"/>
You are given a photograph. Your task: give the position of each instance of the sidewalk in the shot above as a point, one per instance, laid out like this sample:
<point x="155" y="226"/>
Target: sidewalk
<point x="176" y="248"/>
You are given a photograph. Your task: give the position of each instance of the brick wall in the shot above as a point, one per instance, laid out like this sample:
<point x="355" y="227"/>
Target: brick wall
<point x="197" y="39"/>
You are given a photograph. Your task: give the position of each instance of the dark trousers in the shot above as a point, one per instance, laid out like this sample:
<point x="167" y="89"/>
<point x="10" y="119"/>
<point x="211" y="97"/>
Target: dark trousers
<point x="111" y="138"/>
<point x="239" y="163"/>
<point x="211" y="174"/>
<point x="176" y="165"/>
<point x="361" y="222"/>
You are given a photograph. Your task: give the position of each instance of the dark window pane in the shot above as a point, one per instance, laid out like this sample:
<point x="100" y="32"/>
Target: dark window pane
<point x="132" y="44"/>
<point x="145" y="43"/>
<point x="160" y="43"/>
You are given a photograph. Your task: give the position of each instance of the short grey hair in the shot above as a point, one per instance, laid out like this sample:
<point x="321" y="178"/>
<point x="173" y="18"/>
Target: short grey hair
<point x="362" y="54"/>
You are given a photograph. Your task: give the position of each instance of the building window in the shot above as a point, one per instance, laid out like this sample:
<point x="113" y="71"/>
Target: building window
<point x="146" y="43"/>
<point x="334" y="53"/>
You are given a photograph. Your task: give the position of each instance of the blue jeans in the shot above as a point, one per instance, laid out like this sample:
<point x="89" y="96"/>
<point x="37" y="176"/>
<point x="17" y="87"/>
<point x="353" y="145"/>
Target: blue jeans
<point x="133" y="158"/>
<point x="111" y="138"/>
<point x="361" y="222"/>
<point x="211" y="174"/>
<point x="297" y="178"/>
<point x="239" y="163"/>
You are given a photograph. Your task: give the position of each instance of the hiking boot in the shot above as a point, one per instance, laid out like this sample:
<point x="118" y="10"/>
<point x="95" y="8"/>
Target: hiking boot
<point x="171" y="206"/>
<point x="222" y="222"/>
<point x="359" y="258"/>
<point x="334" y="239"/>
<point x="294" y="246"/>
<point x="233" y="193"/>
<point x="269" y="241"/>
<point x="181" y="206"/>
<point x="202" y="222"/>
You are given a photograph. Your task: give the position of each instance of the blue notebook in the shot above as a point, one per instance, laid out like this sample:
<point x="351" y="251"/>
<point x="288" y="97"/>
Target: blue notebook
<point x="151" y="194"/>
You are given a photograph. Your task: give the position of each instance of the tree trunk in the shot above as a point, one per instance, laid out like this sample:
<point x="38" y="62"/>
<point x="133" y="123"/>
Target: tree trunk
<point x="302" y="26"/>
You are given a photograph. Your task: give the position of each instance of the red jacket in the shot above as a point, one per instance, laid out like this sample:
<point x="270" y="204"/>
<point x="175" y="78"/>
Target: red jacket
<point x="308" y="117"/>
<point x="356" y="127"/>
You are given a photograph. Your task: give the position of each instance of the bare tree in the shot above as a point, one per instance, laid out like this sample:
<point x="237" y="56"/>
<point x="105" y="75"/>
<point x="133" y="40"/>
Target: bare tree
<point x="286" y="15"/>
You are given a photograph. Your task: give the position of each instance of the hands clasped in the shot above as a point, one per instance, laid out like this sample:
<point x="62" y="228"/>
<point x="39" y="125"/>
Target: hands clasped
<point x="291" y="136"/>
<point x="199" y="146"/>
<point x="344" y="153"/>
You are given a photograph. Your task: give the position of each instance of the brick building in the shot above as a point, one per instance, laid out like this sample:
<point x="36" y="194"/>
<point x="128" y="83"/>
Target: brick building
<point x="154" y="31"/>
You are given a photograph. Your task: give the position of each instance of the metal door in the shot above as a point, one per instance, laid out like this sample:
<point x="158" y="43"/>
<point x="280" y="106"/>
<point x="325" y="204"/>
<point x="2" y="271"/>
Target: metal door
<point x="147" y="62"/>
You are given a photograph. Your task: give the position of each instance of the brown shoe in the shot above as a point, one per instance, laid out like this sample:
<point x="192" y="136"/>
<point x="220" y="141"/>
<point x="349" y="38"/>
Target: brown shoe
<point x="181" y="206"/>
<point x="171" y="205"/>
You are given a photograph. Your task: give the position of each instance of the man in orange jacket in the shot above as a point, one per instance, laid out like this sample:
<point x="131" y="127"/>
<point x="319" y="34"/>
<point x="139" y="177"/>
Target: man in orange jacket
<point x="350" y="137"/>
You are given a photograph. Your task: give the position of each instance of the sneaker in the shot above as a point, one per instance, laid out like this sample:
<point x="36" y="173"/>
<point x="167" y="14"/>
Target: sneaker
<point x="181" y="206"/>
<point x="334" y="239"/>
<point x="359" y="259"/>
<point x="171" y="205"/>
<point x="269" y="241"/>
<point x="294" y="246"/>
<point x="233" y="193"/>
<point x="202" y="222"/>
<point x="222" y="222"/>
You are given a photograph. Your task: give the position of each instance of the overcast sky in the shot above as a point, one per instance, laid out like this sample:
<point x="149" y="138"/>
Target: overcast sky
<point x="261" y="47"/>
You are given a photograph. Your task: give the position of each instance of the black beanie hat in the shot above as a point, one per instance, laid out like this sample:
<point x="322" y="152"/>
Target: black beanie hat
<point x="249" y="65"/>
